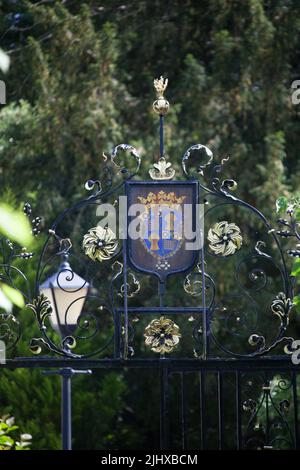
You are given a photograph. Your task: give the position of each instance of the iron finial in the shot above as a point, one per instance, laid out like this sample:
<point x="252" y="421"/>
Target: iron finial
<point x="161" y="105"/>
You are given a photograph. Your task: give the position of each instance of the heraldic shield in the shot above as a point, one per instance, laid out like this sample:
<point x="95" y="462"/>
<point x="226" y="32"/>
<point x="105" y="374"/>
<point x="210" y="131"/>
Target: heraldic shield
<point x="161" y="237"/>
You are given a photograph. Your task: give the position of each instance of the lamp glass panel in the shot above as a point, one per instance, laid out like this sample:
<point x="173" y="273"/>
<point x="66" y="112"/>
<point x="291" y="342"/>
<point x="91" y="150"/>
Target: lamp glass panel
<point x="69" y="305"/>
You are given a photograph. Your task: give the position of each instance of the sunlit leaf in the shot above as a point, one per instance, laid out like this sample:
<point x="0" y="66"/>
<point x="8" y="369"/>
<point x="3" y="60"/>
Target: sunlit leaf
<point x="296" y="268"/>
<point x="4" y="61"/>
<point x="6" y="441"/>
<point x="4" y="302"/>
<point x="15" y="225"/>
<point x="13" y="295"/>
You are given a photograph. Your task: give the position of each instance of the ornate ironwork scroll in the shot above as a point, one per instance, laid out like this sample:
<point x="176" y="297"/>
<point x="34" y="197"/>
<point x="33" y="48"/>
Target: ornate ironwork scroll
<point x="236" y="298"/>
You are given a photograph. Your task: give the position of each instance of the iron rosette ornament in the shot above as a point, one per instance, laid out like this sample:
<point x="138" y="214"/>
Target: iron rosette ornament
<point x="224" y="238"/>
<point x="100" y="244"/>
<point x="162" y="335"/>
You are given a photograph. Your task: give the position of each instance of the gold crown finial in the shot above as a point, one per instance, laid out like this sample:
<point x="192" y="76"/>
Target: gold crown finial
<point x="160" y="84"/>
<point x="161" y="105"/>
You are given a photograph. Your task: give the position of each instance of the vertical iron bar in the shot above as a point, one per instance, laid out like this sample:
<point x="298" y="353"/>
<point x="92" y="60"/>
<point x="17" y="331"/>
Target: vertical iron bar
<point x="66" y="405"/>
<point x="117" y="334"/>
<point x="201" y="403"/>
<point x="66" y="413"/>
<point x="221" y="410"/>
<point x="238" y="398"/>
<point x="204" y="315"/>
<point x="267" y="418"/>
<point x="161" y="292"/>
<point x="126" y="323"/>
<point x="117" y="325"/>
<point x="161" y="136"/>
<point x="295" y="402"/>
<point x="183" y="411"/>
<point x="164" y="415"/>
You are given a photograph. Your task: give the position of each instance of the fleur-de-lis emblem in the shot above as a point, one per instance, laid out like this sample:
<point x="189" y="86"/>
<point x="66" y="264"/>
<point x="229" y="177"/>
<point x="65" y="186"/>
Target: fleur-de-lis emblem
<point x="162" y="170"/>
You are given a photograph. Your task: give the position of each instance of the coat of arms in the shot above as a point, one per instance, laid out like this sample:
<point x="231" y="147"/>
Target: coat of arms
<point x="162" y="221"/>
<point x="161" y="249"/>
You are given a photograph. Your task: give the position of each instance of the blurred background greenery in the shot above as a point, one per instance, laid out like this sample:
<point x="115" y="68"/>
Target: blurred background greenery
<point x="81" y="81"/>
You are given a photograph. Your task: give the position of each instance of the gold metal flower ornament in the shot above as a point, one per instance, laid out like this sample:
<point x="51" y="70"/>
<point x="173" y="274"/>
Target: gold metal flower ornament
<point x="100" y="243"/>
<point x="224" y="238"/>
<point x="162" y="335"/>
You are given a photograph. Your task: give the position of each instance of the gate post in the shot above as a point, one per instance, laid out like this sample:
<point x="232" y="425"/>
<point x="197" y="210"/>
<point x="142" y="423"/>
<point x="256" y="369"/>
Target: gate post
<point x="66" y="402"/>
<point x="66" y="409"/>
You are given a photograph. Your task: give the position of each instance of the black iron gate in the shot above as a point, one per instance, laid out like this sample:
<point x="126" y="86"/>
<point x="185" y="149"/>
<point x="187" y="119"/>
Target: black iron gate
<point x="226" y="405"/>
<point x="212" y="320"/>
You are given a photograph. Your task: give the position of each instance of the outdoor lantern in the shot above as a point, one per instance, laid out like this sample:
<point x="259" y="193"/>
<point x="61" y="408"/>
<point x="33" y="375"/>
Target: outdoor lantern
<point x="66" y="292"/>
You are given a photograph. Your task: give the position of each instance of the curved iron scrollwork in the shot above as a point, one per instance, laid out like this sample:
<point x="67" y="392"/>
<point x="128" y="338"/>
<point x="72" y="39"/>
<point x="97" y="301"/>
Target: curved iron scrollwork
<point x="269" y="414"/>
<point x="10" y="330"/>
<point x="235" y="300"/>
<point x="226" y="242"/>
<point x="236" y="322"/>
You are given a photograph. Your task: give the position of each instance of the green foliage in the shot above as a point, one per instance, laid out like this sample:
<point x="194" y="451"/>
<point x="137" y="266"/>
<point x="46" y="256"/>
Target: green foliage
<point x="4" y="61"/>
<point x="8" y="439"/>
<point x="290" y="206"/>
<point x="15" y="226"/>
<point x="285" y="204"/>
<point x="80" y="82"/>
<point x="13" y="295"/>
<point x="98" y="404"/>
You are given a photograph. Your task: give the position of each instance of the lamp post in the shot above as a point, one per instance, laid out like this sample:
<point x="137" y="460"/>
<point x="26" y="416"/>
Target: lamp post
<point x="66" y="292"/>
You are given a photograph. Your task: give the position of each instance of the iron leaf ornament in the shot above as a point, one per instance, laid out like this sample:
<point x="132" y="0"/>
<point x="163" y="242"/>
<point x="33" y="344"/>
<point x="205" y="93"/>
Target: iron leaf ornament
<point x="281" y="306"/>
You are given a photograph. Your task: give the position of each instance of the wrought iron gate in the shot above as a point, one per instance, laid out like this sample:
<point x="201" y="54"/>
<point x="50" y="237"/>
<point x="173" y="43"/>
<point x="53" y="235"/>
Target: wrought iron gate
<point x="230" y="406"/>
<point x="221" y="348"/>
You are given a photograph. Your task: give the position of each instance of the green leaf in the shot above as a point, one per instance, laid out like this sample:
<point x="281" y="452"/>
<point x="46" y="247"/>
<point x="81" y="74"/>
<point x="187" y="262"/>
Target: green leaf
<point x="296" y="300"/>
<point x="5" y="303"/>
<point x="281" y="204"/>
<point x="12" y="428"/>
<point x="6" y="441"/>
<point x="15" y="225"/>
<point x="13" y="295"/>
<point x="296" y="268"/>
<point x="4" y="61"/>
